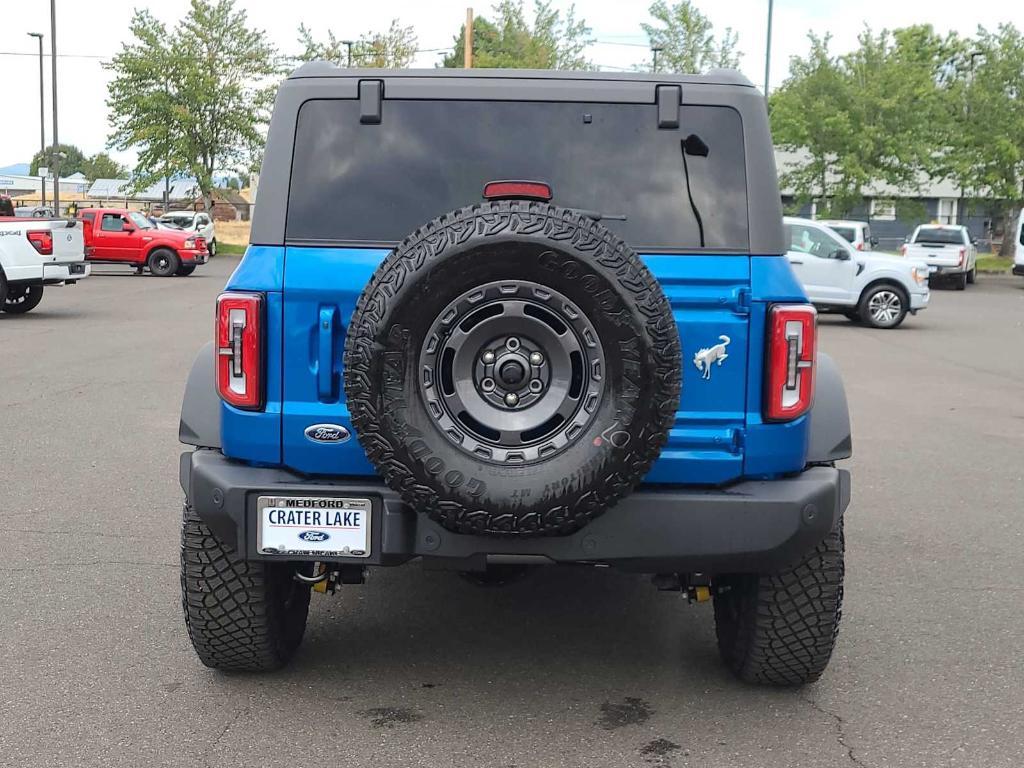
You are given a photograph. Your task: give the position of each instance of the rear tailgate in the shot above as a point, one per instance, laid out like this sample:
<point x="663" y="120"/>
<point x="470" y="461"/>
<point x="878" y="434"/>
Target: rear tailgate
<point x="937" y="254"/>
<point x="68" y="239"/>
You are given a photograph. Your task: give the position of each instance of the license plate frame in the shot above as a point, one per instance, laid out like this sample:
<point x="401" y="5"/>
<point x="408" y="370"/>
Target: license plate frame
<point x="281" y="521"/>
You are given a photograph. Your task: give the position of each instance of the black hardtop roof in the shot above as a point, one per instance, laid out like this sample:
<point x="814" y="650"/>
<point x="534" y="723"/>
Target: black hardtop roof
<point x="320" y="80"/>
<point x="714" y="77"/>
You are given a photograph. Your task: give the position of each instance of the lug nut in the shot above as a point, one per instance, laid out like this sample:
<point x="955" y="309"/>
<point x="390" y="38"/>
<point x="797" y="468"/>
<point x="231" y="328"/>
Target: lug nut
<point x="536" y="358"/>
<point x="488" y="357"/>
<point x="511" y="398"/>
<point x="512" y="343"/>
<point x="487" y="385"/>
<point x="536" y="386"/>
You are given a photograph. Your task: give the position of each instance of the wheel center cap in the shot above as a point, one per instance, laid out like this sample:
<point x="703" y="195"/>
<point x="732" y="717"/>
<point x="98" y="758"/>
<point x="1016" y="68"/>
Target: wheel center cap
<point x="512" y="373"/>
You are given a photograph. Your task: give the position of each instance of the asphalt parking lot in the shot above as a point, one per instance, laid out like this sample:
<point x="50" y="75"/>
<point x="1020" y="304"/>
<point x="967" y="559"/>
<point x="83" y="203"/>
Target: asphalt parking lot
<point x="564" y="668"/>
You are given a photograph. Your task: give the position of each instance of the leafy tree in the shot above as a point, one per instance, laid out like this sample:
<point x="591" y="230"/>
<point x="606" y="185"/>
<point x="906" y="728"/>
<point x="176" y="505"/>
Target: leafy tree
<point x="985" y="153"/>
<point x="102" y="166"/>
<point x="70" y="163"/>
<point x="874" y="115"/>
<point x="394" y="48"/>
<point x="510" y="41"/>
<point x="687" y="40"/>
<point x="195" y="99"/>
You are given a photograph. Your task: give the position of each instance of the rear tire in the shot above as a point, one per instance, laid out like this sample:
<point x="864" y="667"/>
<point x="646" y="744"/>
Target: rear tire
<point x="242" y="616"/>
<point x="780" y="628"/>
<point x="972" y="276"/>
<point x="20" y="299"/>
<point x="212" y="248"/>
<point x="163" y="262"/>
<point x="960" y="282"/>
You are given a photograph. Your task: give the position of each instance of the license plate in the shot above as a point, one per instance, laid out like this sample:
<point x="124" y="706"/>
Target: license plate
<point x="302" y="525"/>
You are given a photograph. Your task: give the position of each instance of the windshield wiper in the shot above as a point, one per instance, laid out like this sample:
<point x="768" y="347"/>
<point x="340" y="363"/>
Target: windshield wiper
<point x="694" y="145"/>
<point x="597" y="215"/>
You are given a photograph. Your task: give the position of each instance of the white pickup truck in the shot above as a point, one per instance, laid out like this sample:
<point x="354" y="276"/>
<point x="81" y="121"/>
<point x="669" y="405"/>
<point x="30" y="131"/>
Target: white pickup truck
<point x="1018" y="247"/>
<point x="35" y="253"/>
<point x="949" y="251"/>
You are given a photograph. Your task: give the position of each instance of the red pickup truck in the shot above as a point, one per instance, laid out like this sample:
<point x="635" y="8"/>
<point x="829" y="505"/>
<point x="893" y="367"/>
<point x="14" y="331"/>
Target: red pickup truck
<point x="120" y="236"/>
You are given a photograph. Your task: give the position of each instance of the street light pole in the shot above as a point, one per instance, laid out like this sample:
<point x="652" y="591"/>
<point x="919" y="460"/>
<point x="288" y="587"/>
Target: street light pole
<point x="42" y="120"/>
<point x="56" y="145"/>
<point x="768" y="51"/>
<point x="656" y="50"/>
<point x="348" y="44"/>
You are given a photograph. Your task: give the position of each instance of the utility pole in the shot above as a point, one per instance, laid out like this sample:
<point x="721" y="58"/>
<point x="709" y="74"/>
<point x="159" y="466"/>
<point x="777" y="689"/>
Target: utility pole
<point x="467" y="48"/>
<point x="42" y="120"/>
<point x="768" y="50"/>
<point x="56" y="145"/>
<point x="348" y="44"/>
<point x="656" y="50"/>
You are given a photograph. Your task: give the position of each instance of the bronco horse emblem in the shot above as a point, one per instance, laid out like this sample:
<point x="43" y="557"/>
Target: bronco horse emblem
<point x="706" y="356"/>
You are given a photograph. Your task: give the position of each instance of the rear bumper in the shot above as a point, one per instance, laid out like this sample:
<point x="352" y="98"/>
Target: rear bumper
<point x="752" y="526"/>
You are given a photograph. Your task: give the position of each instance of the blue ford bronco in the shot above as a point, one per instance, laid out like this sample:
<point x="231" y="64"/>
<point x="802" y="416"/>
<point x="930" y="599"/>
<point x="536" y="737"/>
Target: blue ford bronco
<point x="489" y="320"/>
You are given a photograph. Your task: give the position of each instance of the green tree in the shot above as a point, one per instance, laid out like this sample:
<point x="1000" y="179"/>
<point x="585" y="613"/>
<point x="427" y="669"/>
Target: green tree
<point x="193" y="100"/>
<point x="985" y="154"/>
<point x="510" y="41"/>
<point x="71" y="160"/>
<point x="687" y="39"/>
<point x="395" y="48"/>
<point x="102" y="166"/>
<point x="873" y="116"/>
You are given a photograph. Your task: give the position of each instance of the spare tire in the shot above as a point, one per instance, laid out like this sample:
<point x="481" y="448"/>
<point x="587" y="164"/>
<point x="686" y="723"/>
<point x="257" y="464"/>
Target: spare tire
<point x="512" y="368"/>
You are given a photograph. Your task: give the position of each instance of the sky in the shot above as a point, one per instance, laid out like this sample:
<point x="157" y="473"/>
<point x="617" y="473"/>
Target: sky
<point x="89" y="33"/>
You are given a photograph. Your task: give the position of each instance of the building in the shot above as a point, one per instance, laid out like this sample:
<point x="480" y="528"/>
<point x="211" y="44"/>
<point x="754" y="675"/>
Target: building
<point x="894" y="213"/>
<point x="119" y="192"/>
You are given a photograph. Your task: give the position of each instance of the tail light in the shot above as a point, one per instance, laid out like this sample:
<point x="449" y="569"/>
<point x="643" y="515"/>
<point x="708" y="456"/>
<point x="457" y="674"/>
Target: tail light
<point x="42" y="240"/>
<point x="860" y="246"/>
<point x="792" y="348"/>
<point x="240" y="349"/>
<point x="903" y="250"/>
<point x="963" y="253"/>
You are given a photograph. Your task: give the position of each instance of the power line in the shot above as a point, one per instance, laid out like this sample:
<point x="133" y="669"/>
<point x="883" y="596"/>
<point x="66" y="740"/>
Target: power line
<point x="59" y="55"/>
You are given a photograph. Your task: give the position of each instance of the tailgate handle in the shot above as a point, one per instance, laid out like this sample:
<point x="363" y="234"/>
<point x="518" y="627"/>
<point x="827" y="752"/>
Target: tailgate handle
<point x="325" y="378"/>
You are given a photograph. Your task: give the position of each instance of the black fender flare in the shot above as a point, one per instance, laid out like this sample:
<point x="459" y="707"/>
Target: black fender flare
<point x="200" y="407"/>
<point x="830" y="438"/>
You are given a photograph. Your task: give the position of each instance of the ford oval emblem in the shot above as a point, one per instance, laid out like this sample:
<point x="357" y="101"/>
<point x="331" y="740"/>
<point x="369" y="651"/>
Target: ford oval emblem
<point x="314" y="536"/>
<point x="327" y="433"/>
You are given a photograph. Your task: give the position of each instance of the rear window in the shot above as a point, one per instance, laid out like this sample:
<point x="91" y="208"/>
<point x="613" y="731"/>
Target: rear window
<point x="939" y="236"/>
<point x="375" y="184"/>
<point x="847" y="233"/>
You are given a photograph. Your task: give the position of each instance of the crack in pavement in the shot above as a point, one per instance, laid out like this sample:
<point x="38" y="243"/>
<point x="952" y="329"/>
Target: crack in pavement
<point x="223" y="732"/>
<point x="839" y="726"/>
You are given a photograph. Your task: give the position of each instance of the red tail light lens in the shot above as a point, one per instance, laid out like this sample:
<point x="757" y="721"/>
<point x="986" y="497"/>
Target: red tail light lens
<point x="860" y="246"/>
<point x="531" y="190"/>
<point x="903" y="250"/>
<point x="792" y="348"/>
<point x="42" y="240"/>
<point x="240" y="349"/>
<point x="963" y="253"/>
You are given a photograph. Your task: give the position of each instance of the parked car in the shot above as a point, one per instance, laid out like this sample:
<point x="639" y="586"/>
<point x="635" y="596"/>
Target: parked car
<point x="1018" y="248"/>
<point x="878" y="290"/>
<point x="856" y="233"/>
<point x="119" y="236"/>
<point x="6" y="206"/>
<point x="197" y="222"/>
<point x="34" y="212"/>
<point x="949" y="251"/>
<point x="35" y="253"/>
<point x="509" y="354"/>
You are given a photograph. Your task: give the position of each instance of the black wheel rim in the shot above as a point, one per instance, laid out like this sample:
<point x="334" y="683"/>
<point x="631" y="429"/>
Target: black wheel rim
<point x="162" y="262"/>
<point x="512" y="372"/>
<point x="17" y="294"/>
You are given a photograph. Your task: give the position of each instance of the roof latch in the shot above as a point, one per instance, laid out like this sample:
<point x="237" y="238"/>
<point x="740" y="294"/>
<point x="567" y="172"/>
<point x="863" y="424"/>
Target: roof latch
<point x="668" y="98"/>
<point x="371" y="94"/>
